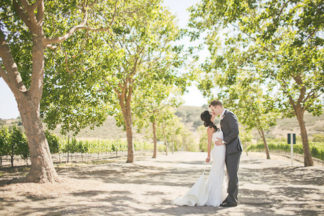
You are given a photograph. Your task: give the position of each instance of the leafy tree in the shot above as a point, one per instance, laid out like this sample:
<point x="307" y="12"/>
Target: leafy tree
<point x="280" y="41"/>
<point x="147" y="55"/>
<point x="4" y="143"/>
<point x="18" y="144"/>
<point x="53" y="142"/>
<point x="171" y="130"/>
<point x="203" y="138"/>
<point x="245" y="97"/>
<point x="27" y="30"/>
<point x="154" y="104"/>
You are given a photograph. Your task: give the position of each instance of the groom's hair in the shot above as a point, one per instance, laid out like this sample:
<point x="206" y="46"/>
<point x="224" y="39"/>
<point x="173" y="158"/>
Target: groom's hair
<point x="216" y="103"/>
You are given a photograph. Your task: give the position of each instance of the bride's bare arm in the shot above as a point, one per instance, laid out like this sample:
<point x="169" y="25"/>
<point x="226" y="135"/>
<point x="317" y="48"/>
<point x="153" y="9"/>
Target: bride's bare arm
<point x="210" y="132"/>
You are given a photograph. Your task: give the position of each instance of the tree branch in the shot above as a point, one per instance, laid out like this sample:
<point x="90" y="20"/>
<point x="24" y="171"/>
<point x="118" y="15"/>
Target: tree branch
<point x="299" y="81"/>
<point x="311" y="94"/>
<point x="10" y="75"/>
<point x="82" y="25"/>
<point x="36" y="4"/>
<point x="22" y="15"/>
<point x="30" y="12"/>
<point x="40" y="11"/>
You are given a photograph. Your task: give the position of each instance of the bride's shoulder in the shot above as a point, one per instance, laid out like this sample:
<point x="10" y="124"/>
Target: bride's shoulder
<point x="210" y="130"/>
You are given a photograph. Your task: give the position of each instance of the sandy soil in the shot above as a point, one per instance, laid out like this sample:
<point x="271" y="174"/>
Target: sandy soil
<point x="147" y="187"/>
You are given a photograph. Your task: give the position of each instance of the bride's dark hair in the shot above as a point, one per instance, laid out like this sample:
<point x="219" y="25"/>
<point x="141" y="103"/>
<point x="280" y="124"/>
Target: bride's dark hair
<point x="205" y="117"/>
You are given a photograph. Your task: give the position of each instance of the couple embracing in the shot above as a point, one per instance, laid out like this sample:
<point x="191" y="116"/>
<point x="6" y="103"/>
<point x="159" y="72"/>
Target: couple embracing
<point x="226" y="152"/>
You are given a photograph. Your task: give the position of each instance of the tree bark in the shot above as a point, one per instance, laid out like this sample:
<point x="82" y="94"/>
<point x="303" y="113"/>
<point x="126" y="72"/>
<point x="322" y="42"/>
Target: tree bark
<point x="28" y="100"/>
<point x="42" y="169"/>
<point x="165" y="141"/>
<point x="125" y="103"/>
<point x="299" y="109"/>
<point x="173" y="143"/>
<point x="12" y="160"/>
<point x="261" y="132"/>
<point x="129" y="134"/>
<point x="154" y="139"/>
<point x="308" y="160"/>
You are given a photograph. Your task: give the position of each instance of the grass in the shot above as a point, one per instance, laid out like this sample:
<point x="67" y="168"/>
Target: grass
<point x="317" y="149"/>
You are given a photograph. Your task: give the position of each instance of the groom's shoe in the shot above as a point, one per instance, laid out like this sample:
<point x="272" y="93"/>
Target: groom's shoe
<point x="228" y="204"/>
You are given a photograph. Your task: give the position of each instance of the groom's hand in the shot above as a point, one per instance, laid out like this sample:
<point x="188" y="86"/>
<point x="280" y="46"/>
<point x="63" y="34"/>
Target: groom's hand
<point x="218" y="142"/>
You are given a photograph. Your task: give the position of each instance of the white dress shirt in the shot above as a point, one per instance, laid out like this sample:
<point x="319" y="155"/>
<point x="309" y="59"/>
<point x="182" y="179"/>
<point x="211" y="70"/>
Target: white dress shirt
<point x="222" y="115"/>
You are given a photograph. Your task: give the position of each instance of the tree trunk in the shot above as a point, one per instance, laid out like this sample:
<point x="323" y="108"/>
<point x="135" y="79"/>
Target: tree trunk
<point x="126" y="110"/>
<point x="165" y="141"/>
<point x="154" y="139"/>
<point x="129" y="134"/>
<point x="42" y="169"/>
<point x="308" y="160"/>
<point x="0" y="161"/>
<point x="125" y="104"/>
<point x="12" y="160"/>
<point x="261" y="132"/>
<point x="12" y="155"/>
<point x="173" y="143"/>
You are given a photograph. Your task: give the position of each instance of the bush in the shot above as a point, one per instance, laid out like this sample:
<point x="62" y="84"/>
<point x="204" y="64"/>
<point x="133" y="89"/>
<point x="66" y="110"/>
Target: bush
<point x="18" y="143"/>
<point x="317" y="151"/>
<point x="53" y="142"/>
<point x="318" y="138"/>
<point x="4" y="141"/>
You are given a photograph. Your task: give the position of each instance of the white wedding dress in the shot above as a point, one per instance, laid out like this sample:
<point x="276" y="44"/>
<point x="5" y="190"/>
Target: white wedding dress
<point x="211" y="190"/>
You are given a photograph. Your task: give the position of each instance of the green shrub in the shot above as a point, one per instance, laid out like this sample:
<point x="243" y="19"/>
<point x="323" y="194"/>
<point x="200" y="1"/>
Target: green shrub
<point x="53" y="142"/>
<point x="4" y="141"/>
<point x="317" y="151"/>
<point x="318" y="138"/>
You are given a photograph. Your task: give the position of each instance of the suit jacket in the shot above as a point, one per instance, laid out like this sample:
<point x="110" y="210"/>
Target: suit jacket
<point x="229" y="125"/>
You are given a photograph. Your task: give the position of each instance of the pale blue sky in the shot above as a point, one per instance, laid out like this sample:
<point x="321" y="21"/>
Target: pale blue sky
<point x="8" y="105"/>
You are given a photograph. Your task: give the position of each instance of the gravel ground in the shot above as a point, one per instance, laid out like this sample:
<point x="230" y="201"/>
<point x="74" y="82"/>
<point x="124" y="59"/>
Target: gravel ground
<point x="147" y="187"/>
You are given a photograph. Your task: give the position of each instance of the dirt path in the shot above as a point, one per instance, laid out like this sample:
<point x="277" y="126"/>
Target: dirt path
<point x="267" y="187"/>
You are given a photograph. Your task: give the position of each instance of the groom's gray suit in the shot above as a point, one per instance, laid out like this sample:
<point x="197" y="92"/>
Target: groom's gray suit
<point x="229" y="125"/>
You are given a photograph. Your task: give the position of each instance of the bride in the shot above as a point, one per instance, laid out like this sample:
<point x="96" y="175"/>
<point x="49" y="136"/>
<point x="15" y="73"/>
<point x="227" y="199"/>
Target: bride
<point x="210" y="192"/>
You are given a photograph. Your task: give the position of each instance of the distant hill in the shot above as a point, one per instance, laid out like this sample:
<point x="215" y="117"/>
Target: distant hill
<point x="314" y="125"/>
<point x="190" y="116"/>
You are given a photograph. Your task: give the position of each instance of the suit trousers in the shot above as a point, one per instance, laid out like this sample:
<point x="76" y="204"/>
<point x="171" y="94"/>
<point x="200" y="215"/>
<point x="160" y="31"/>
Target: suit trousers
<point x="232" y="165"/>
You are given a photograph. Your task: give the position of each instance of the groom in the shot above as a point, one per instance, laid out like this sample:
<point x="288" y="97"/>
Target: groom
<point x="229" y="126"/>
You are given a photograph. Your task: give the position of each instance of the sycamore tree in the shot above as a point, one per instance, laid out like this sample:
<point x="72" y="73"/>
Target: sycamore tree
<point x="254" y="109"/>
<point x="281" y="41"/>
<point x="152" y="105"/>
<point x="240" y="89"/>
<point x="75" y="93"/>
<point x="173" y="132"/>
<point x="28" y="29"/>
<point x="147" y="55"/>
<point x="162" y="87"/>
<point x="252" y="106"/>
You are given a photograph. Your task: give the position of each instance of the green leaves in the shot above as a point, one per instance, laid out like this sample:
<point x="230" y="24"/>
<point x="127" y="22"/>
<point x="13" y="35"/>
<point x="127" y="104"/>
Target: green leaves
<point x="75" y="90"/>
<point x="278" y="43"/>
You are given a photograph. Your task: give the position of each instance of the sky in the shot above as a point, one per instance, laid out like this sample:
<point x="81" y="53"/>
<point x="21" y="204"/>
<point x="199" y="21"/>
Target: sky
<point x="8" y="105"/>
